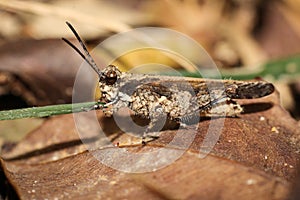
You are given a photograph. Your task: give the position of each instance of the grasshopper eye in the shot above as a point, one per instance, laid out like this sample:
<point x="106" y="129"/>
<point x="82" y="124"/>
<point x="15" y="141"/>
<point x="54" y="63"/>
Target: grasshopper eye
<point x="111" y="77"/>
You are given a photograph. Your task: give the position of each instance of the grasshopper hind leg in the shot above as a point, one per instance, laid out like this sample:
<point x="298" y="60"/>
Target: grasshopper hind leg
<point x="224" y="107"/>
<point x="157" y="121"/>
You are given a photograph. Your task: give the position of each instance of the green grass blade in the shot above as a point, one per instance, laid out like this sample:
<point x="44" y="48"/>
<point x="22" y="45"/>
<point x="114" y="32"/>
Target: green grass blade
<point x="46" y="111"/>
<point x="286" y="68"/>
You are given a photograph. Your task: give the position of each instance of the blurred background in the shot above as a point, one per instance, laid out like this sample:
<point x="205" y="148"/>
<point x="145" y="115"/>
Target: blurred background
<point x="247" y="39"/>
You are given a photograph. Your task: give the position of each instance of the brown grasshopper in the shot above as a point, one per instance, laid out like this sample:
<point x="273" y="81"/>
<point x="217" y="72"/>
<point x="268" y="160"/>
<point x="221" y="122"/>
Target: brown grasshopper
<point x="178" y="98"/>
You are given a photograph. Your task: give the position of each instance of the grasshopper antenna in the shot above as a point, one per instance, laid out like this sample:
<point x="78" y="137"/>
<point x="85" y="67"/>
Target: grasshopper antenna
<point x="87" y="57"/>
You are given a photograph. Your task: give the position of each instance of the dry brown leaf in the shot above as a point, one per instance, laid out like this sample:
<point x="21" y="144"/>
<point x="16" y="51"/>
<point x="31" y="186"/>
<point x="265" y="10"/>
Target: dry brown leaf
<point x="90" y="16"/>
<point x="40" y="71"/>
<point x="255" y="157"/>
<point x="276" y="36"/>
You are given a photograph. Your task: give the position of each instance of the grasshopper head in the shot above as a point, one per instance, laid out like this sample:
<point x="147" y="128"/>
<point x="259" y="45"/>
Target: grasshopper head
<point x="109" y="77"/>
<point x="108" y="83"/>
